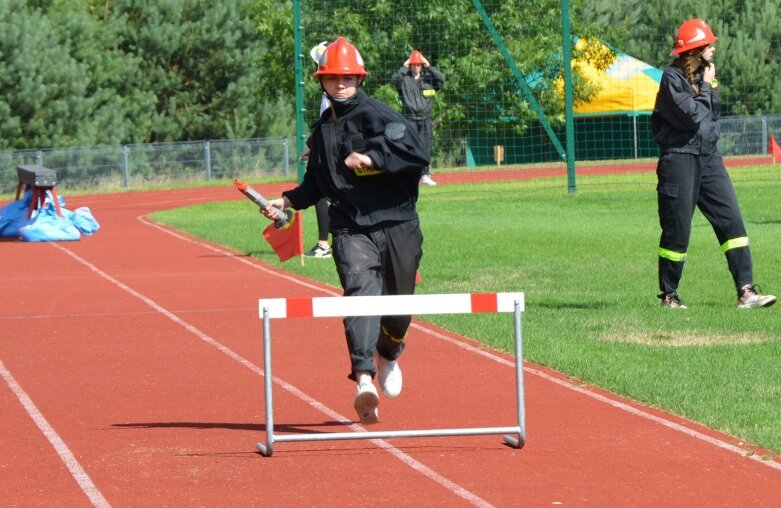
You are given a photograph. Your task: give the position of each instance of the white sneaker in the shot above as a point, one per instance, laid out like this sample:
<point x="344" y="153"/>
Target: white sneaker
<point x="366" y="402"/>
<point x="426" y="180"/>
<point x="752" y="299"/>
<point x="390" y="376"/>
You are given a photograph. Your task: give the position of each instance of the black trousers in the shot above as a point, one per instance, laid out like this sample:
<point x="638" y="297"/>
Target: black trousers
<point x="425" y="128"/>
<point x="686" y="181"/>
<point x="321" y="209"/>
<point x="380" y="261"/>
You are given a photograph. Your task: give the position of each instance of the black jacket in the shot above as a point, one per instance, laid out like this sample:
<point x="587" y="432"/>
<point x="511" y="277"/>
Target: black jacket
<point x="417" y="95"/>
<point x="683" y="121"/>
<point x="359" y="199"/>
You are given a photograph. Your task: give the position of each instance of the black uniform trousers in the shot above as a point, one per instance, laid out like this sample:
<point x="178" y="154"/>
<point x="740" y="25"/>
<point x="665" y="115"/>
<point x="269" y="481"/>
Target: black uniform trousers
<point x="379" y="261"/>
<point x="425" y="128"/>
<point x="689" y="180"/>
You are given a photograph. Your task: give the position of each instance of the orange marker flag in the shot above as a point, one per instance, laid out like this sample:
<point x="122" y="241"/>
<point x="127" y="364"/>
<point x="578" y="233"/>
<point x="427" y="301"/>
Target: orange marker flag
<point x="287" y="241"/>
<point x="774" y="149"/>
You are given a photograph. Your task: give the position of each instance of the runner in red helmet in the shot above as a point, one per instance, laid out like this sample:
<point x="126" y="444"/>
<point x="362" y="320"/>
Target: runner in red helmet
<point x="366" y="160"/>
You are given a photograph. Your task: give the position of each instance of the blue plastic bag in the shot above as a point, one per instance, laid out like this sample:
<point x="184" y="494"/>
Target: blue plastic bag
<point x="48" y="226"/>
<point x="83" y="219"/>
<point x="13" y="216"/>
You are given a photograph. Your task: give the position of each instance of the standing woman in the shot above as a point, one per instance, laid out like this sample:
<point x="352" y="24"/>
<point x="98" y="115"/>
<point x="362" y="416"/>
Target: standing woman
<point x="691" y="172"/>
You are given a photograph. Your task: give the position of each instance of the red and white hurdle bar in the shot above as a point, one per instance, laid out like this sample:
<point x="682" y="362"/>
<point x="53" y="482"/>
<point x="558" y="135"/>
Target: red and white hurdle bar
<point x="342" y="306"/>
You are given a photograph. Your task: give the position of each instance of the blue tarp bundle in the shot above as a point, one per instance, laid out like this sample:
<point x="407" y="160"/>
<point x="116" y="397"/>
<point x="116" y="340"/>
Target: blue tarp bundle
<point x="45" y="225"/>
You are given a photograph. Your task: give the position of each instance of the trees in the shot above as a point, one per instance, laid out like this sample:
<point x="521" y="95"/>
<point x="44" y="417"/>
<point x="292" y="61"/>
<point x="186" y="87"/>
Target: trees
<point x="746" y="59"/>
<point x="92" y="72"/>
<point x="481" y="94"/>
<point x="88" y="72"/>
<point x="54" y="77"/>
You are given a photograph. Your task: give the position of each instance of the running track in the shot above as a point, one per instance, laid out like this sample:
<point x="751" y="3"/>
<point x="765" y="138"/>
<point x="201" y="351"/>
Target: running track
<point x="132" y="376"/>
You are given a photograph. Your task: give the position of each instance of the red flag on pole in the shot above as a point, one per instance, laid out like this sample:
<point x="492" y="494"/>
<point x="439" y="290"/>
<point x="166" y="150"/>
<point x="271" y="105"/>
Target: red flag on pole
<point x="288" y="241"/>
<point x="774" y="149"/>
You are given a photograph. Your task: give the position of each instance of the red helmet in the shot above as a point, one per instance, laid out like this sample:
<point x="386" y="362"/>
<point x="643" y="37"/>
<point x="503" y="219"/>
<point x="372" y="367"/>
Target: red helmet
<point x="340" y="58"/>
<point x="694" y="33"/>
<point x="416" y="57"/>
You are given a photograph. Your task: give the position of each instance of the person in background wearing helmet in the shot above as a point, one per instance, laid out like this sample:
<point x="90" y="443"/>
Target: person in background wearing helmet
<point x="691" y="172"/>
<point x="417" y="82"/>
<point x="322" y="248"/>
<point x="366" y="159"/>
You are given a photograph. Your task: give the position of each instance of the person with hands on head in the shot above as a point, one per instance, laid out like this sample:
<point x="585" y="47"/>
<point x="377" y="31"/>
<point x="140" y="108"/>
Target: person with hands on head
<point x="417" y="83"/>
<point x="366" y="159"/>
<point x="690" y="170"/>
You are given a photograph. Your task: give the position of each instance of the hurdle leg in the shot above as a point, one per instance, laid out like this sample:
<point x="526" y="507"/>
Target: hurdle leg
<point x="521" y="440"/>
<point x="267" y="449"/>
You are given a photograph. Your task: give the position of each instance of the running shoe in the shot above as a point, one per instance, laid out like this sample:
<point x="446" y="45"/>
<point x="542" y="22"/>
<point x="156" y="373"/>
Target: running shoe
<point x="426" y="180"/>
<point x="671" y="300"/>
<point x="318" y="251"/>
<point x="390" y="376"/>
<point x="366" y="402"/>
<point x="750" y="298"/>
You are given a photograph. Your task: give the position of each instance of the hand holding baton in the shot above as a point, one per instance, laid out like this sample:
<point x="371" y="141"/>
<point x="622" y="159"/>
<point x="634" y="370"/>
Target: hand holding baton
<point x="281" y="217"/>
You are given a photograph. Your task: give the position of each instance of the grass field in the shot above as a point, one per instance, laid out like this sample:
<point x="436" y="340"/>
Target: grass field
<point x="587" y="263"/>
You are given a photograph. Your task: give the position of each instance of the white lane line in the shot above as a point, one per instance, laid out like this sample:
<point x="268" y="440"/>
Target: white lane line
<point x="487" y="354"/>
<point x="406" y="459"/>
<point x="78" y="473"/>
<point x="607" y="400"/>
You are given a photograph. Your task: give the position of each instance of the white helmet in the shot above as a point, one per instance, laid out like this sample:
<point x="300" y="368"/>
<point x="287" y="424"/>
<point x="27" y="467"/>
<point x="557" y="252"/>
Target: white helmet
<point x="318" y="51"/>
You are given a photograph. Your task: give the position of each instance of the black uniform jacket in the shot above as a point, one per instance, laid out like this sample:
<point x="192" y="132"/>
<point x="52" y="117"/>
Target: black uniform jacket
<point x="366" y="197"/>
<point x="683" y="121"/>
<point x="417" y="95"/>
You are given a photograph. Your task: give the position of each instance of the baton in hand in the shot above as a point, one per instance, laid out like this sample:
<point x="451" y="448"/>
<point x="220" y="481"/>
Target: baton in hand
<point x="282" y="217"/>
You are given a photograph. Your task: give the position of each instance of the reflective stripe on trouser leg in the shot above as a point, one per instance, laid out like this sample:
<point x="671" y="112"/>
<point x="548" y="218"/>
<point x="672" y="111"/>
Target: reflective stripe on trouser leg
<point x="677" y="192"/>
<point x="389" y="346"/>
<point x="738" y="255"/>
<point x="670" y="269"/>
<point x="719" y="204"/>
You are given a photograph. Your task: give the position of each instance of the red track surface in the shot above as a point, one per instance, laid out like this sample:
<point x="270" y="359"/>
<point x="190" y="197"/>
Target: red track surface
<point x="131" y="374"/>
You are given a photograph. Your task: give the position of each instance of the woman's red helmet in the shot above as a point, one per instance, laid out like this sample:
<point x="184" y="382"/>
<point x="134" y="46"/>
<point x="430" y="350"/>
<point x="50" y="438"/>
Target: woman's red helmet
<point x="340" y="58"/>
<point x="692" y="34"/>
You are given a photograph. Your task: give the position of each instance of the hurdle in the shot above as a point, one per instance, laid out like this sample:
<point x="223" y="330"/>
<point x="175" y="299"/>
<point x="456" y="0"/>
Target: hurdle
<point x="344" y="306"/>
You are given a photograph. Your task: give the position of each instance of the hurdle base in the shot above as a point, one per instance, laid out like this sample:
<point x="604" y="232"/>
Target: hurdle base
<point x="518" y="442"/>
<point x="267" y="449"/>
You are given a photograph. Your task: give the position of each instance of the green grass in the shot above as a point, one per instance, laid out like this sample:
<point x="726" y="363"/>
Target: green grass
<point x="587" y="264"/>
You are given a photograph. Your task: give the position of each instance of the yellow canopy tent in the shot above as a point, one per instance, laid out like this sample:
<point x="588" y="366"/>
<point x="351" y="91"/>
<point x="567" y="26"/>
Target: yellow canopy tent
<point x="627" y="87"/>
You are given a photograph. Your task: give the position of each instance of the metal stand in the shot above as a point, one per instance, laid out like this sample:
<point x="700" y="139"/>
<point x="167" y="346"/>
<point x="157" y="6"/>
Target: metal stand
<point x="514" y="436"/>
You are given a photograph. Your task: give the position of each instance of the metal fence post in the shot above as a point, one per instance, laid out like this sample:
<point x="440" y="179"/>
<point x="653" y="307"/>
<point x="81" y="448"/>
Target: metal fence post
<point x="285" y="155"/>
<point x="125" y="167"/>
<point x="39" y="157"/>
<point x="207" y="159"/>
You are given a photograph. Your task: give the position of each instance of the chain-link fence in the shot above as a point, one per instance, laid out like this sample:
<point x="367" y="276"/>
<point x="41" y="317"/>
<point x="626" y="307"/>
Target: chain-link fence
<point x="135" y="166"/>
<point x="504" y="101"/>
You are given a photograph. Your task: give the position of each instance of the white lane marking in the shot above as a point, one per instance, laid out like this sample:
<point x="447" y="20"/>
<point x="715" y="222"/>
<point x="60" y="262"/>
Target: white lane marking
<point x="78" y="473"/>
<point x="406" y="459"/>
<point x="488" y="354"/>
